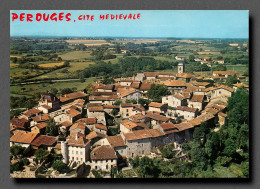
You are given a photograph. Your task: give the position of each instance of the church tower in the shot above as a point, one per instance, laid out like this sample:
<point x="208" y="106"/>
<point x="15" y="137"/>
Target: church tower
<point x="181" y="67"/>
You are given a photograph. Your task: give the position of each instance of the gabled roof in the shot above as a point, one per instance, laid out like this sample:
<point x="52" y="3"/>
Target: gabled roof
<point x="78" y="125"/>
<point x="226" y="88"/>
<point x="183" y="126"/>
<point x="178" y="96"/>
<point x="155" y="105"/>
<point x="101" y="126"/>
<point x="71" y="96"/>
<point x="94" y="134"/>
<point x="44" y="140"/>
<point x="174" y="83"/>
<point x="184" y="75"/>
<point x="31" y="112"/>
<point x="41" y="125"/>
<point x="96" y="109"/>
<point x="88" y="121"/>
<point x="41" y="118"/>
<point x="77" y="139"/>
<point x="23" y="137"/>
<point x="145" y="86"/>
<point x="116" y="141"/>
<point x="49" y="97"/>
<point x="66" y="123"/>
<point x="187" y="109"/>
<point x="156" y="117"/>
<point x="104" y="152"/>
<point x="72" y="113"/>
<point x="19" y="122"/>
<point x="125" y="105"/>
<point x="224" y="72"/>
<point x="197" y="98"/>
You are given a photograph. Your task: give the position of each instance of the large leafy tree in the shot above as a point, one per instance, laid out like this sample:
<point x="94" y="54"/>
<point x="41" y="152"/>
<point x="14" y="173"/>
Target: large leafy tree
<point x="157" y="91"/>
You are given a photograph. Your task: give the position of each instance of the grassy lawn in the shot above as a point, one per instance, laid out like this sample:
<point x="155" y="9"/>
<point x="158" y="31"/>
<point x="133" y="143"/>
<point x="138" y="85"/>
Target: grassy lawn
<point x="22" y="72"/>
<point x="240" y="69"/>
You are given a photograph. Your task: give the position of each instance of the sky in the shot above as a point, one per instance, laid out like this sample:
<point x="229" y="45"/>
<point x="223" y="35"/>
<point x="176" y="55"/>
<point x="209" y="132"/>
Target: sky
<point x="152" y="24"/>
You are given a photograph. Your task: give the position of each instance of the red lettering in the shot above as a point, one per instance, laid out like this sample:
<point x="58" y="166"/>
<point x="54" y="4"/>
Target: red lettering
<point x="22" y="16"/>
<point x="61" y="15"/>
<point x="112" y="16"/>
<point x="80" y="17"/>
<point x="14" y="17"/>
<point x="38" y="17"/>
<point x="101" y="17"/>
<point x="120" y="16"/>
<point x="138" y="16"/>
<point x="92" y="17"/>
<point x="45" y="17"/>
<point x="68" y="17"/>
<point x="107" y="16"/>
<point x="28" y="18"/>
<point x="53" y="17"/>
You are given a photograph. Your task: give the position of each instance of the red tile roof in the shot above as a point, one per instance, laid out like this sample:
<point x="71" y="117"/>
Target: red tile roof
<point x="145" y="86"/>
<point x="155" y="105"/>
<point x="125" y="105"/>
<point x="71" y="96"/>
<point x="96" y="109"/>
<point x="41" y="125"/>
<point x="94" y="134"/>
<point x="104" y="152"/>
<point x="78" y="139"/>
<point x="23" y="137"/>
<point x="116" y="141"/>
<point x="197" y="98"/>
<point x="72" y="113"/>
<point x="187" y="109"/>
<point x="44" y="140"/>
<point x="41" y="118"/>
<point x="31" y="112"/>
<point x="157" y="117"/>
<point x="101" y="126"/>
<point x="19" y="123"/>
<point x="66" y="123"/>
<point x="87" y="121"/>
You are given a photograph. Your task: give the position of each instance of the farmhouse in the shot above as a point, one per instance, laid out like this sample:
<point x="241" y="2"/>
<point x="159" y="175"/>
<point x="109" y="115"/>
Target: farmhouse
<point x="187" y="112"/>
<point x="158" y="107"/>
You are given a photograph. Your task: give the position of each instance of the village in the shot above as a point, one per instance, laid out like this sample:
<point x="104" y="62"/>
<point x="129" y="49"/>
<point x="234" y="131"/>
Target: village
<point x="85" y="121"/>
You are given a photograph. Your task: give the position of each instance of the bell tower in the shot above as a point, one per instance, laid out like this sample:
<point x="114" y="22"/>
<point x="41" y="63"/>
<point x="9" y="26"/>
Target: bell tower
<point x="181" y="67"/>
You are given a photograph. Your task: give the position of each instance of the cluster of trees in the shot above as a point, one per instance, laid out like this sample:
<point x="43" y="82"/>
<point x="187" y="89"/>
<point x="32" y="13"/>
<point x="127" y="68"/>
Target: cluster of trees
<point x="22" y="102"/>
<point x="21" y="45"/>
<point x="100" y="54"/>
<point x="219" y="67"/>
<point x="127" y="66"/>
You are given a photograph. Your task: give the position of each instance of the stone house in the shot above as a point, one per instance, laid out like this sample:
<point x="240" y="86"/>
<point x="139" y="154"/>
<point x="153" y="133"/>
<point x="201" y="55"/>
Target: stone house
<point x="28" y="114"/>
<point x="117" y="143"/>
<point x="222" y="90"/>
<point x="100" y="128"/>
<point x="174" y="100"/>
<point x="105" y="88"/>
<point x="144" y="88"/>
<point x="48" y="103"/>
<point x="127" y="126"/>
<point x="97" y="112"/>
<point x="45" y="142"/>
<point x="67" y="98"/>
<point x="105" y="100"/>
<point x="103" y="158"/>
<point x="70" y="115"/>
<point x="19" y="124"/>
<point x="127" y="110"/>
<point x="152" y="119"/>
<point x="175" y="85"/>
<point x="186" y="112"/>
<point x="39" y="128"/>
<point x="40" y="118"/>
<point x="75" y="149"/>
<point x="78" y="127"/>
<point x="158" y="107"/>
<point x="197" y="101"/>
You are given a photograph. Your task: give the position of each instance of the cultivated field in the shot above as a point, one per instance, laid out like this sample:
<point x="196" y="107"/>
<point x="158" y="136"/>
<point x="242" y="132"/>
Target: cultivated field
<point x="89" y="42"/>
<point x="51" y="65"/>
<point x="76" y="55"/>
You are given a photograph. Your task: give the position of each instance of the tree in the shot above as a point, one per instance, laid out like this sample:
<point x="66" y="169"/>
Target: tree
<point x="157" y="91"/>
<point x="58" y="165"/>
<point x="117" y="102"/>
<point x="191" y="58"/>
<point x="16" y="150"/>
<point x="115" y="111"/>
<point x="231" y="80"/>
<point x="147" y="168"/>
<point x="66" y="63"/>
<point x="41" y="154"/>
<point x="51" y="128"/>
<point x="90" y="88"/>
<point x="144" y="102"/>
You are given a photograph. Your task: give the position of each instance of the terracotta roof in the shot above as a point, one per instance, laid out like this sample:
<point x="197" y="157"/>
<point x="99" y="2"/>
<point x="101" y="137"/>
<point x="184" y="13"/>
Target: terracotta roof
<point x="195" y="122"/>
<point x="183" y="126"/>
<point x="94" y="134"/>
<point x="23" y="137"/>
<point x="184" y="75"/>
<point x="46" y="106"/>
<point x="104" y="93"/>
<point x="178" y="96"/>
<point x="139" y="107"/>
<point x="195" y="83"/>
<point x="174" y="83"/>
<point x="186" y="95"/>
<point x="197" y="98"/>
<point x="125" y="105"/>
<point x="126" y="92"/>
<point x="156" y="132"/>
<point x="222" y="114"/>
<point x="106" y="87"/>
<point x="101" y="126"/>
<point x="44" y="140"/>
<point x="77" y="139"/>
<point x="135" y="85"/>
<point x="103" y="152"/>
<point x="139" y="134"/>
<point x="226" y="88"/>
<point x="224" y="72"/>
<point x="157" y="117"/>
<point x="71" y="96"/>
<point x="129" y="124"/>
<point x="41" y="125"/>
<point x="205" y="117"/>
<point x="96" y="109"/>
<point x="72" y="113"/>
<point x="41" y="118"/>
<point x="66" y="123"/>
<point x="167" y="126"/>
<point x="155" y="104"/>
<point x="150" y="74"/>
<point x="240" y="85"/>
<point x="211" y="110"/>
<point x="94" y="104"/>
<point x="137" y="117"/>
<point x="110" y="106"/>
<point x="78" y="125"/>
<point x="88" y="121"/>
<point x="105" y="98"/>
<point x="31" y="112"/>
<point x="19" y="123"/>
<point x="145" y="86"/>
<point x="116" y="141"/>
<point x="187" y="109"/>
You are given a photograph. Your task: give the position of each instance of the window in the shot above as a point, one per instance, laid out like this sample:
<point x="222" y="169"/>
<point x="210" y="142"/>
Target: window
<point x="73" y="158"/>
<point x="77" y="158"/>
<point x="76" y="152"/>
<point x="81" y="159"/>
<point x="143" y="152"/>
<point x="96" y="167"/>
<point x="219" y="92"/>
<point x="72" y="152"/>
<point x="106" y="161"/>
<point x="126" y="110"/>
<point x="80" y="153"/>
<point x="106" y="166"/>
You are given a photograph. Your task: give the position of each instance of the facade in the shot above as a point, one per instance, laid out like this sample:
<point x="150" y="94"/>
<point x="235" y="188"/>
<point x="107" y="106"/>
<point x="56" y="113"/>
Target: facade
<point x="181" y="67"/>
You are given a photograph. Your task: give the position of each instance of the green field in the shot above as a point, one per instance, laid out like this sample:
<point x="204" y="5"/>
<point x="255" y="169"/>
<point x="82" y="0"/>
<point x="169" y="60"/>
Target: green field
<point x="76" y="55"/>
<point x="31" y="89"/>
